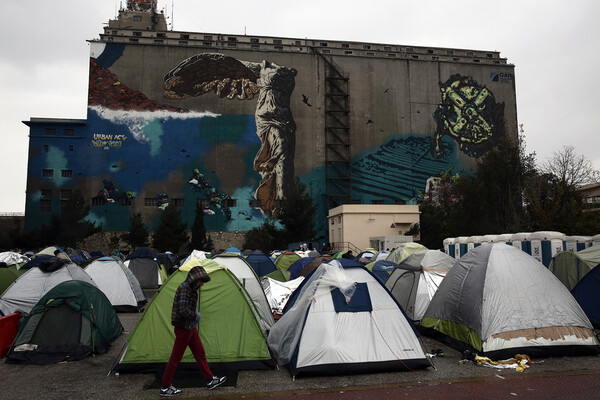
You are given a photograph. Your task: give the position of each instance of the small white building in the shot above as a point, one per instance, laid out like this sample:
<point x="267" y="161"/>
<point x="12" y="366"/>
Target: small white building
<point x="356" y="224"/>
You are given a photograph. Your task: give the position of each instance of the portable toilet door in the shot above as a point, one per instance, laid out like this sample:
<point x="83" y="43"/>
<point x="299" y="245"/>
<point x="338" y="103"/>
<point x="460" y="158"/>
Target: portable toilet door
<point x="451" y="247"/>
<point x="575" y="243"/>
<point x="460" y="246"/>
<point x="545" y="245"/>
<point x="596" y="240"/>
<point x="521" y="241"/>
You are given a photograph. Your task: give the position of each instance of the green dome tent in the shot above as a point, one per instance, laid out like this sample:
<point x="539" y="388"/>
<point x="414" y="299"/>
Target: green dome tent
<point x="73" y="320"/>
<point x="231" y="334"/>
<point x="570" y="267"/>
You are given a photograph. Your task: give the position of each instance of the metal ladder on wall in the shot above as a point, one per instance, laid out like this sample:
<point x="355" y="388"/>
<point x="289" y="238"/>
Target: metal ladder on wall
<point x="338" y="169"/>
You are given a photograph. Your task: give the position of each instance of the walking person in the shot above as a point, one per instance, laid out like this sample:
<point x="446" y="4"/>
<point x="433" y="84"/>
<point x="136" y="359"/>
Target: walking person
<point x="185" y="318"/>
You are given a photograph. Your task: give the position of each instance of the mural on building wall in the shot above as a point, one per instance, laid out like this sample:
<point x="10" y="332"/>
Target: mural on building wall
<point x="399" y="170"/>
<point x="200" y="184"/>
<point x="112" y="194"/>
<point x="469" y="115"/>
<point x="234" y="79"/>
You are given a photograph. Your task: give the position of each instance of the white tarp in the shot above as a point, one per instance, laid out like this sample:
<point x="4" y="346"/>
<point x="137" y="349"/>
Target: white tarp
<point x="278" y="292"/>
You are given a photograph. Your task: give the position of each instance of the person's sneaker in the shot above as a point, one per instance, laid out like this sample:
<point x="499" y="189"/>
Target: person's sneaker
<point x="215" y="381"/>
<point x="170" y="391"/>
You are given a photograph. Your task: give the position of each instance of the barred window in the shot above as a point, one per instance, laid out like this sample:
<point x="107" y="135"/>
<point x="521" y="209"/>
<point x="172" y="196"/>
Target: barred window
<point x="45" y="206"/>
<point x="65" y="194"/>
<point x="150" y="202"/>
<point x="46" y="192"/>
<point x="47" y="173"/>
<point x="49" y="131"/>
<point x="66" y="173"/>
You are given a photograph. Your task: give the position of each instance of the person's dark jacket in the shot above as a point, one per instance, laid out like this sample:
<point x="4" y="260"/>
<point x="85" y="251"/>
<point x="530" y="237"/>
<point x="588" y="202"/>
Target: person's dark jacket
<point x="185" y="302"/>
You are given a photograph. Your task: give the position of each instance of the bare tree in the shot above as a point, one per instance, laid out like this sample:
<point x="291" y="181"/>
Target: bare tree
<point x="569" y="168"/>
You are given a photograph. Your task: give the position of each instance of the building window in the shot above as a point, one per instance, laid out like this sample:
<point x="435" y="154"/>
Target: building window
<point x="45" y="148"/>
<point x="114" y="32"/>
<point x="476" y="60"/>
<point x="348" y="52"/>
<point x="298" y="43"/>
<point x="255" y="46"/>
<point x="277" y="41"/>
<point x="183" y="42"/>
<point x="367" y="46"/>
<point x="71" y="147"/>
<point x="47" y="173"/>
<point x="66" y="173"/>
<point x="489" y="55"/>
<point x="332" y="221"/>
<point x="455" y="59"/>
<point x="137" y="33"/>
<point x="65" y="194"/>
<point x="98" y="201"/>
<point x="137" y="18"/>
<point x="161" y="35"/>
<point x="150" y="202"/>
<point x="323" y="44"/>
<point x="232" y="39"/>
<point x="158" y="41"/>
<point x="45" y="206"/>
<point x="68" y="132"/>
<point x="134" y="40"/>
<point x="207" y="43"/>
<point x="278" y="47"/>
<point x="125" y="202"/>
<point x="429" y="51"/>
<point x="230" y="203"/>
<point x="450" y="52"/>
<point x="469" y="53"/>
<point x="387" y="48"/>
<point x="207" y="37"/>
<point x="46" y="192"/>
<point x="254" y="203"/>
<point x="392" y="55"/>
<point x="253" y="40"/>
<point x="376" y="201"/>
<point x="345" y="45"/>
<point x="231" y="45"/>
<point x="49" y="131"/>
<point x="410" y="49"/>
<point x="184" y="36"/>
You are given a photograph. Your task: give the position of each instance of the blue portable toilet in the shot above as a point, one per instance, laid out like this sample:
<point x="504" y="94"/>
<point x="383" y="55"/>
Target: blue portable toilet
<point x="576" y="243"/>
<point x="460" y="246"/>
<point x="545" y="245"/>
<point x="473" y="241"/>
<point x="521" y="241"/>
<point x="449" y="247"/>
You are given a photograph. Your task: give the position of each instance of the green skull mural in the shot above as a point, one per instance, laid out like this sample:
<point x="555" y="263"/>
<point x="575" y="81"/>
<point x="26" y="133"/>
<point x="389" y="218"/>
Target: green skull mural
<point x="468" y="114"/>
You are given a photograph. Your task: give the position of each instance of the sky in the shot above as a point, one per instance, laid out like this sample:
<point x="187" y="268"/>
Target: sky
<point x="44" y="56"/>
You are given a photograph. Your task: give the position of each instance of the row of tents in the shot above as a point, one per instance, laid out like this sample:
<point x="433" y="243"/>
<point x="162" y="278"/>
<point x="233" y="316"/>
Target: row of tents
<point x="344" y="316"/>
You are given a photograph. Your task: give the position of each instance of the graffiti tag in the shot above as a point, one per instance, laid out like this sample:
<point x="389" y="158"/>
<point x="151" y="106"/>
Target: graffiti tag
<point x="103" y="141"/>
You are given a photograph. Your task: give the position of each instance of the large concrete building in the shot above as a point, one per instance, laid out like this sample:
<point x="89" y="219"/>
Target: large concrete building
<point x="228" y="121"/>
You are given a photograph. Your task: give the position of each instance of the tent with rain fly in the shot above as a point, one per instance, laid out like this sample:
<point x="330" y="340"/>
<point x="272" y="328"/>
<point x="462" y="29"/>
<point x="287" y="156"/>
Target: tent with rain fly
<point x="229" y="329"/>
<point x="247" y="277"/>
<point x="571" y="267"/>
<point x="499" y="301"/>
<point x="118" y="283"/>
<point x="404" y="250"/>
<point x="261" y="263"/>
<point x="26" y="291"/>
<point x="381" y="269"/>
<point x="283" y="263"/>
<point x="297" y="266"/>
<point x="344" y="321"/>
<point x="146" y="267"/>
<point x="416" y="279"/>
<point x="73" y="320"/>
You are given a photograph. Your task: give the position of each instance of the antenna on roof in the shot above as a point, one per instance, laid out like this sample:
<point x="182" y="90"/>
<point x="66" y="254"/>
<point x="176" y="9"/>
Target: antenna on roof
<point x="172" y="7"/>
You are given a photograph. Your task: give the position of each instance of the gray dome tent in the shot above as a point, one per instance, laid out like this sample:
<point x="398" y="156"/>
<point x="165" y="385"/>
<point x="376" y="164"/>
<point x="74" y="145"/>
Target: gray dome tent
<point x="499" y="301"/>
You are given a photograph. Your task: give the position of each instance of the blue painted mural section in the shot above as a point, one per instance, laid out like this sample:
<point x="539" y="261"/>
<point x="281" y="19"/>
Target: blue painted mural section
<point x="399" y="169"/>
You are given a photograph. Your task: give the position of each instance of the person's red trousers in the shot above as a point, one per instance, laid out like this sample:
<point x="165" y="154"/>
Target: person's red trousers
<point x="183" y="339"/>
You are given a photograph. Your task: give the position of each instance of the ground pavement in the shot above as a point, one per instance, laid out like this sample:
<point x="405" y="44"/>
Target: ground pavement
<point x="550" y="378"/>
